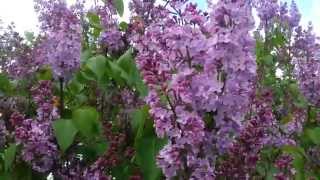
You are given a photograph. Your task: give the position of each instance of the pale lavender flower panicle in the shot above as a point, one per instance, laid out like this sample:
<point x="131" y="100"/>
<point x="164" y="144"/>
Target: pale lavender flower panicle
<point x="61" y="46"/>
<point x="200" y="72"/>
<point x="267" y="11"/>
<point x="307" y="59"/>
<point x="271" y="11"/>
<point x="169" y="160"/>
<point x="295" y="15"/>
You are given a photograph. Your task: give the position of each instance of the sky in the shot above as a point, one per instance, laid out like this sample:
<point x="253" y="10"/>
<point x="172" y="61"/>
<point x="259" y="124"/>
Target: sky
<point x="21" y="12"/>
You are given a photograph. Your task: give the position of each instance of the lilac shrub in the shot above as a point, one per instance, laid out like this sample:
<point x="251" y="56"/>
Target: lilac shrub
<point x="175" y="93"/>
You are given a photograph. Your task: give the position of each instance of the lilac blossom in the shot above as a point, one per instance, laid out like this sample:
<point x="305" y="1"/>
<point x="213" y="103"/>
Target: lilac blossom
<point x="16" y="55"/>
<point x="112" y="40"/>
<point x="36" y="135"/>
<point x="195" y="65"/>
<point x="284" y="164"/>
<point x="261" y="131"/>
<point x="306" y="57"/>
<point x="61" y="46"/>
<point x="274" y="11"/>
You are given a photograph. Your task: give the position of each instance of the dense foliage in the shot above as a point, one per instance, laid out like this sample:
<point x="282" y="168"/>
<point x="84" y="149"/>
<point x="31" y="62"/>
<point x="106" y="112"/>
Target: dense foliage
<point x="176" y="93"/>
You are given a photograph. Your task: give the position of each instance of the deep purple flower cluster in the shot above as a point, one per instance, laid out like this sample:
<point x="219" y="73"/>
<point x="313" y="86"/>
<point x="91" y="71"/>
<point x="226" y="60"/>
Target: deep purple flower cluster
<point x="284" y="165"/>
<point x="36" y="135"/>
<point x="95" y="172"/>
<point x="43" y="97"/>
<point x="260" y="132"/>
<point x="200" y="71"/>
<point x="61" y="46"/>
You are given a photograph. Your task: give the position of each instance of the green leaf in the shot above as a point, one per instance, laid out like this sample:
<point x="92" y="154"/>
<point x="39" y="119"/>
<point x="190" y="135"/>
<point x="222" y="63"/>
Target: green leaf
<point x="23" y="171"/>
<point x="65" y="133"/>
<point x="132" y="74"/>
<point x="298" y="164"/>
<point x="29" y="36"/>
<point x="75" y="87"/>
<point x="298" y="155"/>
<point x="122" y="171"/>
<point x="147" y="149"/>
<point x="9" y="156"/>
<point x="118" y="74"/>
<point x="118" y="4"/>
<point x="314" y="135"/>
<point x="268" y="60"/>
<point x="85" y="55"/>
<point x="126" y="61"/>
<point x="123" y="26"/>
<point x="44" y="74"/>
<point x="142" y="88"/>
<point x="145" y="137"/>
<point x="86" y="75"/>
<point x="86" y="120"/>
<point x="6" y="176"/>
<point x="294" y="150"/>
<point x="278" y="39"/>
<point x="98" y="66"/>
<point x="139" y="118"/>
<point x="5" y="85"/>
<point x="94" y="21"/>
<point x="92" y="149"/>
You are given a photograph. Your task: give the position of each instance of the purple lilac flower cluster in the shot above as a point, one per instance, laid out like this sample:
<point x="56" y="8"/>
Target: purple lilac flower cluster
<point x="307" y="59"/>
<point x="261" y="131"/>
<point x="284" y="165"/>
<point x="16" y="56"/>
<point x="273" y="11"/>
<point x="74" y="170"/>
<point x="43" y="97"/>
<point x="197" y="65"/>
<point x="61" y="45"/>
<point x="36" y="135"/>
<point x="111" y="38"/>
